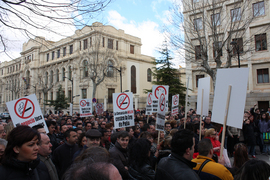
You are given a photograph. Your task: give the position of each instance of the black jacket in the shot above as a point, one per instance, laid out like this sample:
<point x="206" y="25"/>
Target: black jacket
<point x="120" y="159"/>
<point x="18" y="170"/>
<point x="144" y="172"/>
<point x="249" y="135"/>
<point x="175" y="167"/>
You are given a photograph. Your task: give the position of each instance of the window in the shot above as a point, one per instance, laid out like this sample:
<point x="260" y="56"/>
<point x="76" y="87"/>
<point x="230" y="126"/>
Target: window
<point x="64" y="51"/>
<point x="262" y="75"/>
<point x="260" y="42"/>
<point x="51" y="96"/>
<point x="110" y="69"/>
<point x="215" y="19"/>
<point x="58" y="53"/>
<point x="149" y="73"/>
<point x="69" y="96"/>
<point x="110" y="94"/>
<point x="236" y="14"/>
<point x="51" y="77"/>
<point x="63" y="74"/>
<point x="48" y="57"/>
<point x="57" y="75"/>
<point x="197" y="79"/>
<point x="258" y="9"/>
<point x="53" y="55"/>
<point x="198" y="24"/>
<point x="69" y="72"/>
<point x="110" y="43"/>
<point x="46" y="78"/>
<point x="198" y="52"/>
<point x="70" y="49"/>
<point x="90" y="41"/>
<point x="116" y="45"/>
<point x="103" y="42"/>
<point x="28" y="83"/>
<point x="84" y="94"/>
<point x="217" y="49"/>
<point x="239" y="46"/>
<point x="85" y="68"/>
<point x="133" y="80"/>
<point x="46" y="96"/>
<point x="132" y="49"/>
<point x="85" y="43"/>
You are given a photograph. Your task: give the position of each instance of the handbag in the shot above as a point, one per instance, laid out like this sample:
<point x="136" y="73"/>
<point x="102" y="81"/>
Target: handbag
<point x="266" y="137"/>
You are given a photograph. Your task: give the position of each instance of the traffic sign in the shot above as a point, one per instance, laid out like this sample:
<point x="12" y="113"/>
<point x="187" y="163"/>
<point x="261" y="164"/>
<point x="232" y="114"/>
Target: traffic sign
<point x="94" y="100"/>
<point x="123" y="101"/>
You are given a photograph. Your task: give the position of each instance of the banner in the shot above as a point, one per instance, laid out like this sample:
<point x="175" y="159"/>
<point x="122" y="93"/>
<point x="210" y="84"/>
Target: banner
<point x="85" y="107"/>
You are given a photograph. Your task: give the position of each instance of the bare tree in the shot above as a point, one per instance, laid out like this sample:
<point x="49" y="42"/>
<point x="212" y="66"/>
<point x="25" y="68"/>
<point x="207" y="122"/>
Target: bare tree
<point x="205" y="30"/>
<point x="39" y="15"/>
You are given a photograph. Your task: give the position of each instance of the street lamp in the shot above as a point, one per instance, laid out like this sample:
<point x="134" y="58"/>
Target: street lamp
<point x="236" y="46"/>
<point x="71" y="92"/>
<point x="120" y="71"/>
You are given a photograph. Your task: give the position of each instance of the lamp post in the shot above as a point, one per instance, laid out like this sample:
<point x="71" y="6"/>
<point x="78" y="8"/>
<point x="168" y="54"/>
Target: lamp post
<point x="236" y="46"/>
<point x="71" y="92"/>
<point x="120" y="71"/>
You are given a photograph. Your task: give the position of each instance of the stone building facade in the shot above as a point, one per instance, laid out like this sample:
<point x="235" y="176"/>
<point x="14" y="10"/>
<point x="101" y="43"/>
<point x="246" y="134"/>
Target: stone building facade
<point x="91" y="52"/>
<point x="252" y="41"/>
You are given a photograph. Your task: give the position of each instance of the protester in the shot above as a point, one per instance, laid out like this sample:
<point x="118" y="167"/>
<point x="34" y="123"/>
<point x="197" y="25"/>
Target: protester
<point x="51" y="127"/>
<point x="207" y="123"/>
<point x="3" y="145"/>
<point x="139" y="162"/>
<point x="2" y="132"/>
<point x="233" y="139"/>
<point x="178" y="165"/>
<point x="249" y="135"/>
<point x="206" y="167"/>
<point x="212" y="135"/>
<point x="20" y="159"/>
<point x="264" y="126"/>
<point x="82" y="140"/>
<point x="94" y="154"/>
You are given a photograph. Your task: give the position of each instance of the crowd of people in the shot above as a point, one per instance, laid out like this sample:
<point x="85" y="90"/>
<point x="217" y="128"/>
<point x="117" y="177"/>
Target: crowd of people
<point x="76" y="148"/>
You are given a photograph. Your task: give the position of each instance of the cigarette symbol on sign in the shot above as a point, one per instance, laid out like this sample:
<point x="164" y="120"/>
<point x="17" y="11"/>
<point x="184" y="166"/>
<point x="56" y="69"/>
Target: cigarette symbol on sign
<point x="22" y="108"/>
<point x="123" y="101"/>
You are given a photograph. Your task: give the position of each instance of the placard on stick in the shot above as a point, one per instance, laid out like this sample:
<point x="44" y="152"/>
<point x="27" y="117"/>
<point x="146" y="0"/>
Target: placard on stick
<point x="149" y="103"/>
<point x="238" y="79"/>
<point x="156" y="90"/>
<point x="204" y="84"/>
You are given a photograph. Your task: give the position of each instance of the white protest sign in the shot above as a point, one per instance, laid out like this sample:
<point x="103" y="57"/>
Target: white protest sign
<point x="99" y="108"/>
<point x="203" y="85"/>
<point x="123" y="110"/>
<point x="161" y="112"/>
<point x="85" y="107"/>
<point x="238" y="79"/>
<point x="26" y="111"/>
<point x="149" y="103"/>
<point x="175" y="104"/>
<point x="156" y="89"/>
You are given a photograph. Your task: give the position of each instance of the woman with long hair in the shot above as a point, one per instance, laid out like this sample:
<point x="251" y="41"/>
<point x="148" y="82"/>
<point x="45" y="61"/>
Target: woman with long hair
<point x="240" y="157"/>
<point x="20" y="159"/>
<point x="264" y="127"/>
<point x="140" y="167"/>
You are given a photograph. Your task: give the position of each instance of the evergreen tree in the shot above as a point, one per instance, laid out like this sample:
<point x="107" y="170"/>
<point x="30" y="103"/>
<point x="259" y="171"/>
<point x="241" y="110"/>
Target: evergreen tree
<point x="60" y="102"/>
<point x="165" y="74"/>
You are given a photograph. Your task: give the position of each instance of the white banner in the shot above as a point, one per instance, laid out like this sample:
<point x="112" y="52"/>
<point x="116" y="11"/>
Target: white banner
<point x="204" y="84"/>
<point x="123" y="110"/>
<point x="85" y="107"/>
<point x="156" y="89"/>
<point x="149" y="103"/>
<point x="160" y="123"/>
<point x="26" y="111"/>
<point x="175" y="104"/>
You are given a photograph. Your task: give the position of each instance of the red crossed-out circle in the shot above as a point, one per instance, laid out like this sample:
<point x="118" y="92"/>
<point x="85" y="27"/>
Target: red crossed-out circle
<point x="162" y="102"/>
<point x="99" y="105"/>
<point x="157" y="89"/>
<point x="24" y="108"/>
<point x="83" y="103"/>
<point x="120" y="104"/>
<point x="175" y="100"/>
<point x="149" y="99"/>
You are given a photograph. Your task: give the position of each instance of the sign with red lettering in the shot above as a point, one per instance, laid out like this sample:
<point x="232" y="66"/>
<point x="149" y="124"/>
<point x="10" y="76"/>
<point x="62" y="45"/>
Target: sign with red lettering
<point x="85" y="107"/>
<point x="26" y="111"/>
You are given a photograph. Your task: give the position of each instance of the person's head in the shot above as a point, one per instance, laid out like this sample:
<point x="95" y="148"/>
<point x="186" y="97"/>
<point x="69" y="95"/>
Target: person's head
<point x="51" y="126"/>
<point x="183" y="143"/>
<point x="173" y="123"/>
<point x="71" y="136"/>
<point x="152" y="128"/>
<point x="22" y="144"/>
<point x="207" y="119"/>
<point x="140" y="151"/>
<point x="168" y="126"/>
<point x="40" y="128"/>
<point x="147" y="135"/>
<point x="3" y="145"/>
<point x="95" y="154"/>
<point x="146" y="127"/>
<point x="210" y="133"/>
<point x="63" y="128"/>
<point x="94" y="125"/>
<point x="167" y="142"/>
<point x="79" y="125"/>
<point x="197" y="128"/>
<point x="103" y="124"/>
<point x="2" y="132"/>
<point x="265" y="117"/>
<point x="123" y="139"/>
<point x="251" y="118"/>
<point x="93" y="137"/>
<point x="45" y="146"/>
<point x="240" y="155"/>
<point x="253" y="169"/>
<point x="141" y="123"/>
<point x="82" y="140"/>
<point x="88" y="126"/>
<point x="69" y="122"/>
<point x="205" y="148"/>
<point x="130" y="131"/>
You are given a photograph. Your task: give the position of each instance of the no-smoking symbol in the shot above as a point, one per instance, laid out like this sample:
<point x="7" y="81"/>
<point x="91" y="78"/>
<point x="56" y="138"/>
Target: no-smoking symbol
<point x="162" y="102"/>
<point x="158" y="90"/>
<point x="175" y="100"/>
<point x="83" y="103"/>
<point x="122" y="101"/>
<point x="24" y="108"/>
<point x="149" y="99"/>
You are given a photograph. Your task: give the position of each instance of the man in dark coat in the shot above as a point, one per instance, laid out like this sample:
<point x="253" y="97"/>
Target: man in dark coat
<point x="63" y="155"/>
<point x="178" y="165"/>
<point x="119" y="153"/>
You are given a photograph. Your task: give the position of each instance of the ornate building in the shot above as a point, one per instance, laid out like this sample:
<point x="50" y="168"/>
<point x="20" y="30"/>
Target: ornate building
<point x="95" y="57"/>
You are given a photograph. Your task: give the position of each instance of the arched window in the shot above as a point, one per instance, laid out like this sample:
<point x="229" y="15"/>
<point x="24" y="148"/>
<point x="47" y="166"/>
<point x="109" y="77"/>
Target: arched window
<point x="149" y="75"/>
<point x="69" y="72"/>
<point x="85" y="68"/>
<point x="51" y="77"/>
<point x="110" y="69"/>
<point x="57" y="75"/>
<point x="133" y="79"/>
<point x="63" y="74"/>
<point x="46" y="78"/>
<point x="27" y="79"/>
